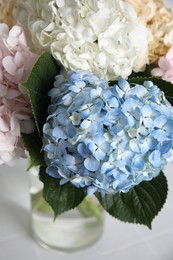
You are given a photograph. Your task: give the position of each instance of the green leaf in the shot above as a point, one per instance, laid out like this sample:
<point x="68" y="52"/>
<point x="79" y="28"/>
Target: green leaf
<point x="60" y="197"/>
<point x="38" y="84"/>
<point x="145" y="73"/>
<point x="33" y="144"/>
<point x="140" y="205"/>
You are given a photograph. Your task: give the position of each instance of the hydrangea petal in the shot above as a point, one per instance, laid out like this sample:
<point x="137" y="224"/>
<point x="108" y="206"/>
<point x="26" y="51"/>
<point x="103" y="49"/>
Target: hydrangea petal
<point x="91" y="164"/>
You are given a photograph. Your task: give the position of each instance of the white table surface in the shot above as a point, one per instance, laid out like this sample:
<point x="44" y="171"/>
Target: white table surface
<point x="119" y="241"/>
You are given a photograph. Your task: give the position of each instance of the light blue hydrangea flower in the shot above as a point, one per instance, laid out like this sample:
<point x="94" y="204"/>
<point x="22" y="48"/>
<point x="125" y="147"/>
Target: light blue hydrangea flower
<point x="106" y="138"/>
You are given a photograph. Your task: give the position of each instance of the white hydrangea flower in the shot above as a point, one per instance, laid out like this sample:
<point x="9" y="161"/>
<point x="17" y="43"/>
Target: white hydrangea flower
<point x="101" y="36"/>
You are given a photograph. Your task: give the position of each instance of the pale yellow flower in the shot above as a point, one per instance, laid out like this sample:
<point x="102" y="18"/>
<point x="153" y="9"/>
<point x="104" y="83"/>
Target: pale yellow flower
<point x="6" y="9"/>
<point x="159" y="19"/>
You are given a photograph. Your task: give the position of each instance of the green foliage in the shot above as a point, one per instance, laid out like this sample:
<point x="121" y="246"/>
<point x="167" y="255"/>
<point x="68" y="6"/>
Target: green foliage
<point x="140" y="205"/>
<point x="38" y="84"/>
<point x="60" y="197"/>
<point x="33" y="144"/>
<point x="145" y="73"/>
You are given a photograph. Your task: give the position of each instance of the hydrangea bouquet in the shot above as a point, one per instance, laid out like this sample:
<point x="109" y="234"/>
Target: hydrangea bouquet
<point x="95" y="79"/>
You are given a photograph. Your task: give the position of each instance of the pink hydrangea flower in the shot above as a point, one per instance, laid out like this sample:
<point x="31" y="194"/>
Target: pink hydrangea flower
<point x="165" y="69"/>
<point x="16" y="61"/>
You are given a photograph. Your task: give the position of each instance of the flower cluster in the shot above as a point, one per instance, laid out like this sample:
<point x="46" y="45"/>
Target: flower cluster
<point x="106" y="138"/>
<point x="16" y="62"/>
<point x="78" y="36"/>
<point x="165" y="69"/>
<point x="109" y="124"/>
<point x="159" y="20"/>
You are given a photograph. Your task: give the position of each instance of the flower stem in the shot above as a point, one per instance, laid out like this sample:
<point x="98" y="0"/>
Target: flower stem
<point x="39" y="203"/>
<point x="90" y="208"/>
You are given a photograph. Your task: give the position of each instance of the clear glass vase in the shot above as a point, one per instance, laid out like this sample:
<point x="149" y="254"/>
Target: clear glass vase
<point x="71" y="231"/>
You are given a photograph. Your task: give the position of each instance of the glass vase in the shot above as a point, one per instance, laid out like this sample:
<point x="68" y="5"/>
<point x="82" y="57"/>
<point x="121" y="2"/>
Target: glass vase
<point x="73" y="230"/>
